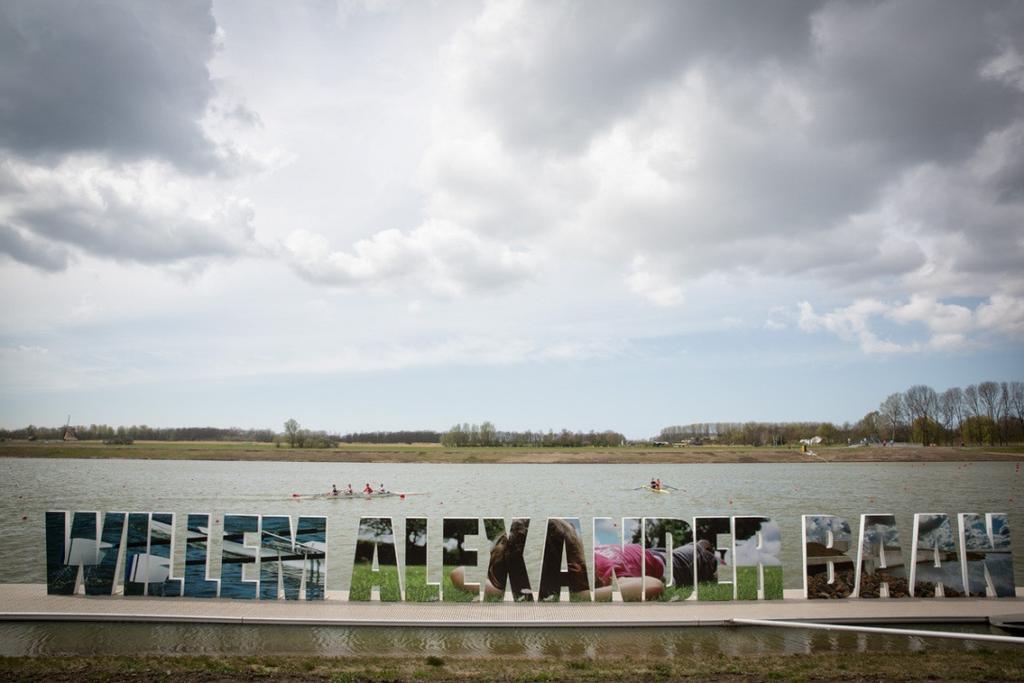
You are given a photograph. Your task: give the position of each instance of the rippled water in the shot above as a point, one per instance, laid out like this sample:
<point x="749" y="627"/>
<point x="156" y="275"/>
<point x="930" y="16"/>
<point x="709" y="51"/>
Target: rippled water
<point x="781" y="491"/>
<point x="19" y="639"/>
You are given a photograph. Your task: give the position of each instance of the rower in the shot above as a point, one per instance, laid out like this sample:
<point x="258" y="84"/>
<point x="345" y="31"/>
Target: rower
<point x="655" y="484"/>
<point x="334" y="489"/>
<point x="368" y="489"/>
<point x="382" y="489"/>
<point x="349" y="491"/>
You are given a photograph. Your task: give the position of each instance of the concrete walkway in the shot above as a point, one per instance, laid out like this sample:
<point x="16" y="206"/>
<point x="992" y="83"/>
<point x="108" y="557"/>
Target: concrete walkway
<point x="29" y="602"/>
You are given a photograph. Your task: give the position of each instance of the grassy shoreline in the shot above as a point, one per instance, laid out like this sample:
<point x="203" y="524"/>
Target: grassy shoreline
<point x="433" y="453"/>
<point x="979" y="665"/>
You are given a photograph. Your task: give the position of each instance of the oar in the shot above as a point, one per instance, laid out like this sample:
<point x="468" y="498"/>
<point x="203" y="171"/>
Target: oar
<point x="402" y="494"/>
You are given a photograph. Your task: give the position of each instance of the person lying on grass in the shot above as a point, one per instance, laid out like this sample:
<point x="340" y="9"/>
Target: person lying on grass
<point x="506" y="564"/>
<point x="624" y="560"/>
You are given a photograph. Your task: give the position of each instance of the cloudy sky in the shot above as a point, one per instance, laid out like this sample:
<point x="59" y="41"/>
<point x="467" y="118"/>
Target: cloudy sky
<point x="383" y="215"/>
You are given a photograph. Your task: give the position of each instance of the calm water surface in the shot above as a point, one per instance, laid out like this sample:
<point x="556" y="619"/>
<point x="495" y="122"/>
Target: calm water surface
<point x="20" y="639"/>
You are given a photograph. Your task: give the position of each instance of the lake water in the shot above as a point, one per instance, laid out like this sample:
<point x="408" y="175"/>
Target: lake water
<point x="21" y="639"/>
<point x="782" y="492"/>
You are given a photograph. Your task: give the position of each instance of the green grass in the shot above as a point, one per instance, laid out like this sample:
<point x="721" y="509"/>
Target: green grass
<point x="747" y="588"/>
<point x="672" y="594"/>
<point x="1018" y="449"/>
<point x="416" y="588"/>
<point x="746" y="579"/>
<point x="364" y="579"/>
<point x="714" y="591"/>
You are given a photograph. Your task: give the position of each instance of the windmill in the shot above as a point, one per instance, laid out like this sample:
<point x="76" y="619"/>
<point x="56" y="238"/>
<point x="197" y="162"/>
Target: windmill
<point x="69" y="431"/>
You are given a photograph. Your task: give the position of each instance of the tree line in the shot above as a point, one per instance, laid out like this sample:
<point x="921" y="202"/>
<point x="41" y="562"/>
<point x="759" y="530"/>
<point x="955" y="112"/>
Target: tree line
<point x="988" y="413"/>
<point x="760" y="433"/>
<point x="415" y="436"/>
<point x="297" y="437"/>
<point x="293" y="435"/>
<point x="103" y="432"/>
<point x="486" y="434"/>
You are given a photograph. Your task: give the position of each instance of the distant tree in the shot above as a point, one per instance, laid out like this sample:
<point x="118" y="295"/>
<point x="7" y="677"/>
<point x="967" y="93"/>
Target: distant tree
<point x="947" y="409"/>
<point x="487" y="434"/>
<point x="988" y="394"/>
<point x="291" y="432"/>
<point x="892" y="411"/>
<point x="950" y="411"/>
<point x="981" y="429"/>
<point x="415" y="436"/>
<point x="925" y="430"/>
<point x="827" y="431"/>
<point x="1004" y="412"/>
<point x="319" y="439"/>
<point x="921" y="402"/>
<point x="453" y="437"/>
<point x="972" y="405"/>
<point x="972" y="409"/>
<point x="869" y="427"/>
<point x="1017" y="405"/>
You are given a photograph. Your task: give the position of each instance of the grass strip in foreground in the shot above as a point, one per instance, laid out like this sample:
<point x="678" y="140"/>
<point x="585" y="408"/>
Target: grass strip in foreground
<point x="978" y="665"/>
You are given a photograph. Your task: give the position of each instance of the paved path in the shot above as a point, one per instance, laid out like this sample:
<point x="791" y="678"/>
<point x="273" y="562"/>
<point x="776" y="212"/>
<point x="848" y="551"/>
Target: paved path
<point x="29" y="602"/>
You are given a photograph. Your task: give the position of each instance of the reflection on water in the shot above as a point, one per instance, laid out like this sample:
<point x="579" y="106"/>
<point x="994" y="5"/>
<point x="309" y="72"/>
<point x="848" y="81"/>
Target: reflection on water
<point x="42" y="638"/>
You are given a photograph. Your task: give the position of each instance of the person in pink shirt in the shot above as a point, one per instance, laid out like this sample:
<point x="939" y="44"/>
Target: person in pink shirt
<point x="628" y="562"/>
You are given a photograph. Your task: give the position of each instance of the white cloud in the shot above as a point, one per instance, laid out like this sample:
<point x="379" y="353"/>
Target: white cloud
<point x="544" y="172"/>
<point x="23" y="246"/>
<point x="852" y="323"/>
<point x="1008" y="67"/>
<point x="1004" y="314"/>
<point x="438" y="257"/>
<point x="950" y="326"/>
<point x="770" y="160"/>
<point x="655" y="287"/>
<point x="615" y="133"/>
<point x="144" y="212"/>
<point x="124" y="79"/>
<point x="939" y="317"/>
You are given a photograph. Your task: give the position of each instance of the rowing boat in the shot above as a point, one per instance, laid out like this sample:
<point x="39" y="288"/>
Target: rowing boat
<point x="349" y="496"/>
<point x="654" y="490"/>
